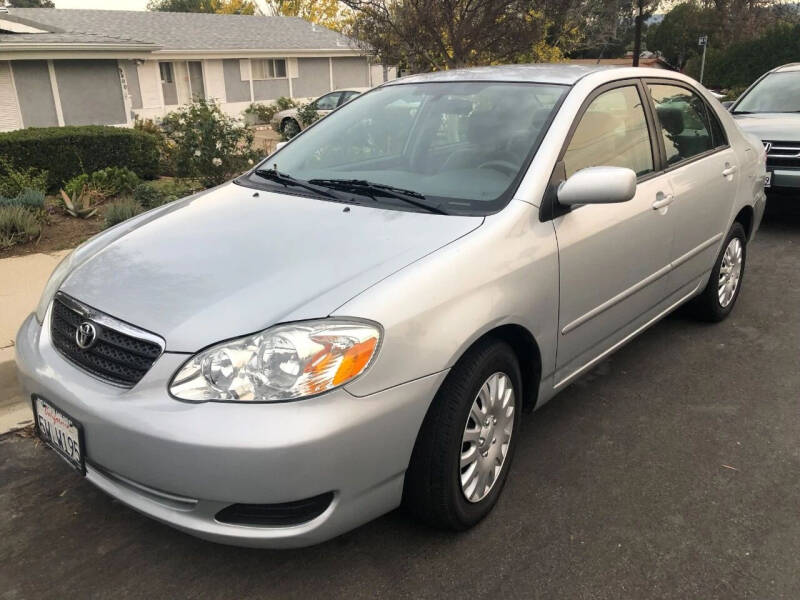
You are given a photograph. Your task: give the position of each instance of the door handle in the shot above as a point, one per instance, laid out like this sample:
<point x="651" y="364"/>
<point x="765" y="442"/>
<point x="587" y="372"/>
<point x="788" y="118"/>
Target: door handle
<point x="729" y="171"/>
<point x="662" y="201"/>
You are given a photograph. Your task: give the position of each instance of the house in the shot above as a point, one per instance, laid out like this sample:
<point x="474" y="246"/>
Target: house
<point x="108" y="67"/>
<point x="654" y="62"/>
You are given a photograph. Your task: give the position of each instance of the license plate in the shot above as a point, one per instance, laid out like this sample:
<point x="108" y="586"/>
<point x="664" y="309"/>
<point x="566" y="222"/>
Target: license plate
<point x="768" y="179"/>
<point x="61" y="432"/>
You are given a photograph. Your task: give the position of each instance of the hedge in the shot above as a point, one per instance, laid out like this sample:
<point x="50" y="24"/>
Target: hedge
<point x="738" y="65"/>
<point x="69" y="151"/>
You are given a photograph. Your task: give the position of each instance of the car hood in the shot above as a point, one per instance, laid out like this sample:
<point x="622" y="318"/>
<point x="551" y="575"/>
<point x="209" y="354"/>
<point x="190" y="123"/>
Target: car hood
<point x="773" y="127"/>
<point x="233" y="261"/>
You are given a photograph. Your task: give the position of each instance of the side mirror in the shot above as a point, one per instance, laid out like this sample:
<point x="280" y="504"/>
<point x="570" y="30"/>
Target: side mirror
<point x="598" y="185"/>
<point x="727" y="104"/>
<point x="280" y="145"/>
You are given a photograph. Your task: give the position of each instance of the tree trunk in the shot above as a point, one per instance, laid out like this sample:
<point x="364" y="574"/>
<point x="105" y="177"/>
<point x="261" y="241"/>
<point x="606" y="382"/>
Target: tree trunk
<point x="637" y="37"/>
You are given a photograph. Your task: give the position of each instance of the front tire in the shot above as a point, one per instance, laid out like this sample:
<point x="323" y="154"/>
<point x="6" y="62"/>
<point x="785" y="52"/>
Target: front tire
<point x="290" y="128"/>
<point x="716" y="302"/>
<point x="464" y="449"/>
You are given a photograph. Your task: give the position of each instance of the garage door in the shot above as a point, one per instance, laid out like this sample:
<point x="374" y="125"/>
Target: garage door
<point x="9" y="109"/>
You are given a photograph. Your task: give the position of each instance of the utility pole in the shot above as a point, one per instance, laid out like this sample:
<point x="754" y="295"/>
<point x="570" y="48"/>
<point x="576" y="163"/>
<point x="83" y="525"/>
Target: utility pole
<point x="703" y="41"/>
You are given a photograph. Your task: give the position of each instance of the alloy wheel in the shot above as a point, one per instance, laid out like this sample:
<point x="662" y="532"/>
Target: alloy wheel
<point x="730" y="272"/>
<point x="486" y="438"/>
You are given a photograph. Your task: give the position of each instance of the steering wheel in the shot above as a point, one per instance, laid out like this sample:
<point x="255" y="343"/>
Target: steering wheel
<point x="503" y="166"/>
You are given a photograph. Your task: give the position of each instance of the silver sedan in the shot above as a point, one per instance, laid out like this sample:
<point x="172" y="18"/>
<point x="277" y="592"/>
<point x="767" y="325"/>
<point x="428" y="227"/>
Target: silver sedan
<point x="361" y="321"/>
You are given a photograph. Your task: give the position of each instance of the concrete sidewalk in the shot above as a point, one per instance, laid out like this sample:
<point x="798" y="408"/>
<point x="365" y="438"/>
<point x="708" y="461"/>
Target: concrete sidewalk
<point x="22" y="279"/>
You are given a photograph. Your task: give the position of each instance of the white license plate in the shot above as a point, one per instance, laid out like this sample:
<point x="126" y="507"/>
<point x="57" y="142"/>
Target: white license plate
<point x="768" y="179"/>
<point x="60" y="431"/>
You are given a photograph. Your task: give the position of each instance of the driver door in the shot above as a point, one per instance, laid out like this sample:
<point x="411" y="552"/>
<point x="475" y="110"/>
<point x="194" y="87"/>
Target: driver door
<point x="612" y="257"/>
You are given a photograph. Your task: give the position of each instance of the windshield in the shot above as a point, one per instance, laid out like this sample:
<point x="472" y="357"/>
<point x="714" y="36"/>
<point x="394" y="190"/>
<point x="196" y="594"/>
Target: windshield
<point x="776" y="93"/>
<point x="461" y="146"/>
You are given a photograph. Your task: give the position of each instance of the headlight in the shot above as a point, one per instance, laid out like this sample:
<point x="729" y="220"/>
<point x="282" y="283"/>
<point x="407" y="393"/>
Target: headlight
<point x="56" y="279"/>
<point x="282" y="363"/>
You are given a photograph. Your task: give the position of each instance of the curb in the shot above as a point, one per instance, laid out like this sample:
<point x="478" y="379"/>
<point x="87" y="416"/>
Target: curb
<point x="15" y="412"/>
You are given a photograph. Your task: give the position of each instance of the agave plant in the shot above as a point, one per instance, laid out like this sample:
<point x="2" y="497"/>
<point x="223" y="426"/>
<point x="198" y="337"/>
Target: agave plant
<point x="80" y="205"/>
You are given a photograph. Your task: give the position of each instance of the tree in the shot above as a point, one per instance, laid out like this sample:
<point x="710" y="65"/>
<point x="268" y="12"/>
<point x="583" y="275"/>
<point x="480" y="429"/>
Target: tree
<point x="237" y="7"/>
<point x="606" y="29"/>
<point x="449" y="34"/>
<point x="327" y="13"/>
<point x="677" y="34"/>
<point x="33" y="4"/>
<point x="643" y="9"/>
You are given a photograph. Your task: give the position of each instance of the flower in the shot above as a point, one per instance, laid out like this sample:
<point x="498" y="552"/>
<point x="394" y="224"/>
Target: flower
<point x="197" y="152"/>
<point x="250" y="161"/>
<point x="216" y="161"/>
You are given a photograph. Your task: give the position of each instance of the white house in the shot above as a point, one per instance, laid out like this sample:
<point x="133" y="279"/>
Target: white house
<point x="79" y="67"/>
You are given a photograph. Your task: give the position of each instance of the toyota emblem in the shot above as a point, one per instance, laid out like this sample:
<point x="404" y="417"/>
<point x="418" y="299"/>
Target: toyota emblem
<point x="85" y="335"/>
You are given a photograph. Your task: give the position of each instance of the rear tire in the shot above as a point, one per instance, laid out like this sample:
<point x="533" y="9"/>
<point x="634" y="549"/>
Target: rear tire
<point x="459" y="465"/>
<point x="716" y="302"/>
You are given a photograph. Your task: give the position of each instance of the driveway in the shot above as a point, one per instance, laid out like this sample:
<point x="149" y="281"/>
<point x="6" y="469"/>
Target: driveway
<point x="671" y="471"/>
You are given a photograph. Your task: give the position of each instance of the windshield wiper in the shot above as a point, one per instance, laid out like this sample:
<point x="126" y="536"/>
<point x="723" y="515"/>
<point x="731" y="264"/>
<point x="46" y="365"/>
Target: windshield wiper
<point x="373" y="189"/>
<point x="289" y="181"/>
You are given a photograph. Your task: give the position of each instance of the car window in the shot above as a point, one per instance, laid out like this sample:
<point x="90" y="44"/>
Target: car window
<point x="683" y="121"/>
<point x="612" y="133"/>
<point x="347" y="96"/>
<point x="328" y="101"/>
<point x="777" y="92"/>
<point x="463" y="144"/>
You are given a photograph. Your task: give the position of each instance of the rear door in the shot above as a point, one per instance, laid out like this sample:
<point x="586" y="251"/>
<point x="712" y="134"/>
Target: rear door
<point x="704" y="173"/>
<point x="613" y="258"/>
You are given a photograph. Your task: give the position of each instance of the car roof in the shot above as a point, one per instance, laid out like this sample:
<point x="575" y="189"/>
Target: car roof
<point x="360" y="90"/>
<point x="555" y="73"/>
<point x="785" y="68"/>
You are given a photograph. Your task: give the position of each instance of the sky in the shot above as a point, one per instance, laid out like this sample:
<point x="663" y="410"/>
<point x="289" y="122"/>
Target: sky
<point x="104" y="4"/>
<point x="98" y="4"/>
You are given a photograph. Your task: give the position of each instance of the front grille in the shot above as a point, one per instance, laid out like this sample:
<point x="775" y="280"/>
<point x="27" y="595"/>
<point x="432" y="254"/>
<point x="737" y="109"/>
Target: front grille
<point x="284" y="514"/>
<point x="783" y="154"/>
<point x="117" y="357"/>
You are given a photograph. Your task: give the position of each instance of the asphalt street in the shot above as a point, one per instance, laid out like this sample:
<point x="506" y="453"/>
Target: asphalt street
<point x="670" y="471"/>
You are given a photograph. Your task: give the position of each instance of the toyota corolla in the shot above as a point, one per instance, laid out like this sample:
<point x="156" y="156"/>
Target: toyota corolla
<point x="361" y="321"/>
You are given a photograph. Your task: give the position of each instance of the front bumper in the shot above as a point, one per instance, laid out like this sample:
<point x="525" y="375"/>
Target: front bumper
<point x="181" y="463"/>
<point x="784" y="179"/>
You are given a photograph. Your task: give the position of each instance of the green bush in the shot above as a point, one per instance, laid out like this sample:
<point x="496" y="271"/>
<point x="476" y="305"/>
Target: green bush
<point x="27" y="198"/>
<point x="738" y="65"/>
<point x="121" y="210"/>
<point x="207" y="144"/>
<point x="262" y="112"/>
<point x="17" y="226"/>
<point x="148" y="195"/>
<point x="284" y="103"/>
<point x="13" y="181"/>
<point x="69" y="151"/>
<point x="105" y="182"/>
<point x="307" y="114"/>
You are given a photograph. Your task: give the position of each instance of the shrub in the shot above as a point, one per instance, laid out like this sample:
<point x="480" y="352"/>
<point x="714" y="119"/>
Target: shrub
<point x="148" y="195"/>
<point x="81" y="204"/>
<point x="207" y="144"/>
<point x="307" y="114"/>
<point x="284" y="103"/>
<point x="738" y="65"/>
<point x="262" y="112"/>
<point x="17" y="226"/>
<point x="121" y="210"/>
<point x="105" y="182"/>
<point x="27" y="198"/>
<point x="13" y="180"/>
<point x="69" y="151"/>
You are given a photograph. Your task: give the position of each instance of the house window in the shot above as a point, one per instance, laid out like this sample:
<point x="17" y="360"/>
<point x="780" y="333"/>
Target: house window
<point x="166" y="72"/>
<point x="269" y="68"/>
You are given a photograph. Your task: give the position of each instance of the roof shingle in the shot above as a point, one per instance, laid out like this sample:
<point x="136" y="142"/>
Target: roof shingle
<point x="186" y="31"/>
